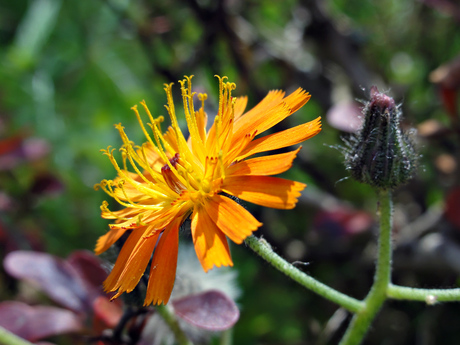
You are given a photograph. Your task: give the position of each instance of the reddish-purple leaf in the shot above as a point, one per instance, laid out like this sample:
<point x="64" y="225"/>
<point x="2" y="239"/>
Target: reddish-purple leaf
<point x="89" y="269"/>
<point x="56" y="277"/>
<point x="211" y="310"/>
<point x="38" y="322"/>
<point x="109" y="313"/>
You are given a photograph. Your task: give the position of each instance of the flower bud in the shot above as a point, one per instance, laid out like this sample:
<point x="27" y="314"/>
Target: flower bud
<point x="381" y="154"/>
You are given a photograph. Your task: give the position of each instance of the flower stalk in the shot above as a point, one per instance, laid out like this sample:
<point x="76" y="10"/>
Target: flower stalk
<point x="226" y="337"/>
<point x="172" y="323"/>
<point x="430" y="296"/>
<point x="262" y="248"/>
<point x="373" y="302"/>
<point x="8" y="338"/>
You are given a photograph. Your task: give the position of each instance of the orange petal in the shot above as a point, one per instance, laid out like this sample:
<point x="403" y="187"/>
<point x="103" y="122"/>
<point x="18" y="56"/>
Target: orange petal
<point x="153" y="156"/>
<point x="288" y="137"/>
<point x="132" y="192"/>
<point x="201" y="122"/>
<point x="164" y="264"/>
<point x="211" y="144"/>
<point x="266" y="165"/>
<point x="136" y="263"/>
<point x="270" y="113"/>
<point x="210" y="243"/>
<point x="163" y="217"/>
<point x="124" y="213"/>
<point x="170" y="137"/>
<point x="297" y="99"/>
<point x="133" y="189"/>
<point x="105" y="241"/>
<point x="218" y="136"/>
<point x="240" y="106"/>
<point x="266" y="191"/>
<point x="111" y="283"/>
<point x="128" y="246"/>
<point x="232" y="219"/>
<point x="130" y="223"/>
<point x="270" y="101"/>
<point x="260" y="121"/>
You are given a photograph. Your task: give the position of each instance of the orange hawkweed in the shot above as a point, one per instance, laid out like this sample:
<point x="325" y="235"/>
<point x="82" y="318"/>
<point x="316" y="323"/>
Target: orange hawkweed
<point x="172" y="178"/>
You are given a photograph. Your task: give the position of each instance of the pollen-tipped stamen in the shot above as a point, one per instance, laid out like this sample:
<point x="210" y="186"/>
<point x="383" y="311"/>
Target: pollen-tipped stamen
<point x="155" y="175"/>
<point x="105" y="208"/>
<point x="141" y="175"/>
<point x="131" y="154"/>
<point x="181" y="143"/>
<point x="159" y="139"/>
<point x="130" y="201"/>
<point x="141" y="123"/>
<point x="135" y="184"/>
<point x="187" y="99"/>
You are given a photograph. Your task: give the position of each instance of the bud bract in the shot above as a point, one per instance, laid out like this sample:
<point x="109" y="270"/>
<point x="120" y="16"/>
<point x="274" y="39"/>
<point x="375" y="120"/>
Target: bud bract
<point x="381" y="154"/>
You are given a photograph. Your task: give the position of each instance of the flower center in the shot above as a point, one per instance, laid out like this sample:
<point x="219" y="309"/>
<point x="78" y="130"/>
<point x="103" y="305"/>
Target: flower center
<point x="169" y="176"/>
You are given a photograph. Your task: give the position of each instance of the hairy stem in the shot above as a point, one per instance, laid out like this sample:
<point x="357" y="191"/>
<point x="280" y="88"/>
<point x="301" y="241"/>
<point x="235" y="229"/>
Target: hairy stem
<point x="262" y="248"/>
<point x="430" y="296"/>
<point x="362" y="320"/>
<point x="226" y="337"/>
<point x="171" y="320"/>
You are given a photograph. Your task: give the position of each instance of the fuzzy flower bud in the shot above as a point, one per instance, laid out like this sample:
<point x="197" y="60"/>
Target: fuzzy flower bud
<point x="381" y="154"/>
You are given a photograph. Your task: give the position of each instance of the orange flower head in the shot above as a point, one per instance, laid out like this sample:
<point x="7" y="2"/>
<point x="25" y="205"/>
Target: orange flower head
<point x="172" y="178"/>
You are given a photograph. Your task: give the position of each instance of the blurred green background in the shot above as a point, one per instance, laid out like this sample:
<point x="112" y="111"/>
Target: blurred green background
<point x="69" y="70"/>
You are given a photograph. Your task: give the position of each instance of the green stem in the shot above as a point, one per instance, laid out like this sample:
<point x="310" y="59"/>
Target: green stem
<point x="8" y="338"/>
<point x="171" y="320"/>
<point x="362" y="320"/>
<point x="226" y="337"/>
<point x="429" y="296"/>
<point x="262" y="248"/>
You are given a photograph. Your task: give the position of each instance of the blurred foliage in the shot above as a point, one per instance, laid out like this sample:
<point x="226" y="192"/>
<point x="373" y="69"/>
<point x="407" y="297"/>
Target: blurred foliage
<point x="69" y="70"/>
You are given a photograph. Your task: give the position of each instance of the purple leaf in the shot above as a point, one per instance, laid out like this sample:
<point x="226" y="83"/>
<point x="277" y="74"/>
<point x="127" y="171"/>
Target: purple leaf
<point x="56" y="277"/>
<point x="211" y="310"/>
<point x="89" y="269"/>
<point x="38" y="322"/>
<point x="108" y="312"/>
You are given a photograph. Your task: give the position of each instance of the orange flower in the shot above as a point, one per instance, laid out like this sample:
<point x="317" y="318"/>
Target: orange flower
<point x="175" y="178"/>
